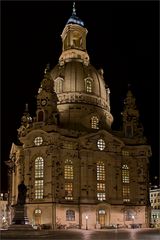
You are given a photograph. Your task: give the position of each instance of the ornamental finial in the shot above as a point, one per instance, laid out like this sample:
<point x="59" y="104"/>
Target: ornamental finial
<point x="74" y="9"/>
<point x="26" y="107"/>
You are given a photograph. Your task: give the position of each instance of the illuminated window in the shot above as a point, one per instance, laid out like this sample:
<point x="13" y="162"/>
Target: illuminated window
<point x="39" y="167"/>
<point x="69" y="191"/>
<point x="125" y="181"/>
<point x="101" y="196"/>
<point x="68" y="176"/>
<point x="37" y="211"/>
<point x="101" y="144"/>
<point x="38" y="189"/>
<point x="70" y="215"/>
<point x="38" y="141"/>
<point x="101" y="187"/>
<point x="68" y="169"/>
<point x="125" y="174"/>
<point x="126" y="193"/>
<point x="100" y="171"/>
<point x="125" y="153"/>
<point x="88" y="85"/>
<point x="39" y="174"/>
<point x="101" y="181"/>
<point x="94" y="122"/>
<point x="102" y="211"/>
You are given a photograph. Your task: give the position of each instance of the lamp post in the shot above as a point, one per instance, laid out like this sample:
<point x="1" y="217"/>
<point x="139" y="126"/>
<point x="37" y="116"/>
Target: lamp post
<point x="132" y="221"/>
<point x="86" y="222"/>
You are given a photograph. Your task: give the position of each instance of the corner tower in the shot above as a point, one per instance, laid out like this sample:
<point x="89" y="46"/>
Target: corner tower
<point x="80" y="88"/>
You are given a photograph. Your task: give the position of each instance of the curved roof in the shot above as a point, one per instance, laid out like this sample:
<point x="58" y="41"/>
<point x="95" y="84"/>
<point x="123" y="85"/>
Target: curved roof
<point x="75" y="20"/>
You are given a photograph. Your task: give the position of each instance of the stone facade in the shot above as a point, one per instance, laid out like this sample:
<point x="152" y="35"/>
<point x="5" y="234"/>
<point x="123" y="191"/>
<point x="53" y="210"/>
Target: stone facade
<point x="78" y="171"/>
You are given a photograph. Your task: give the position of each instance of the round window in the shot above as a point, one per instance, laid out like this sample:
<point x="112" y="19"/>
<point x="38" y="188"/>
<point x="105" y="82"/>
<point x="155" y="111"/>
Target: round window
<point x="38" y="141"/>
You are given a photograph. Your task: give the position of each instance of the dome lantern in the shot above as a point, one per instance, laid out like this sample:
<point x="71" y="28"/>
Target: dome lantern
<point x="74" y="41"/>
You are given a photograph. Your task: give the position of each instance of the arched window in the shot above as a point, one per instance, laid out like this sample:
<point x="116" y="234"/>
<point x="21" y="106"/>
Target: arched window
<point x="70" y="215"/>
<point x="58" y="85"/>
<point x="39" y="167"/>
<point x="39" y="174"/>
<point x="68" y="169"/>
<point x="94" y="122"/>
<point x="101" y="192"/>
<point x="125" y="182"/>
<point x="40" y="116"/>
<point x="100" y="171"/>
<point x="125" y="174"/>
<point x="88" y="86"/>
<point x="68" y="176"/>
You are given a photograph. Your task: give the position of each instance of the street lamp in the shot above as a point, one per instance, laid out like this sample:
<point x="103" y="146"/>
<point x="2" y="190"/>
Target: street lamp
<point x="86" y="222"/>
<point x="133" y="221"/>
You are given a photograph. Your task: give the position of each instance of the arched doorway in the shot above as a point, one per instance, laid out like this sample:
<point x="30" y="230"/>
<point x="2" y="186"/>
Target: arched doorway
<point x="102" y="217"/>
<point x="37" y="216"/>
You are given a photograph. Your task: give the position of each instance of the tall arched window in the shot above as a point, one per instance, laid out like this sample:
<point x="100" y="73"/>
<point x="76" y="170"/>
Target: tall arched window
<point x="68" y="176"/>
<point x="39" y="174"/>
<point x="88" y="86"/>
<point x="40" y="116"/>
<point x="94" y="122"/>
<point x="101" y="192"/>
<point x="68" y="169"/>
<point x="125" y="174"/>
<point x="58" y="85"/>
<point x="125" y="182"/>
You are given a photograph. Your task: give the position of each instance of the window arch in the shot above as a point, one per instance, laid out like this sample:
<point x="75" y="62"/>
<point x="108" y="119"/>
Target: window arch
<point x="39" y="167"/>
<point x="37" y="211"/>
<point x="39" y="174"/>
<point x="70" y="215"/>
<point x="94" y="122"/>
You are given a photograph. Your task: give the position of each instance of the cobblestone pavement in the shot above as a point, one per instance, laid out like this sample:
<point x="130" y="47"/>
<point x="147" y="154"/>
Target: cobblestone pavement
<point x="120" y="234"/>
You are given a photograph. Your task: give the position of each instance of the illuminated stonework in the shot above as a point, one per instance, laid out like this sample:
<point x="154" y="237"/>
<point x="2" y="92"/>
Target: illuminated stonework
<point x="75" y="167"/>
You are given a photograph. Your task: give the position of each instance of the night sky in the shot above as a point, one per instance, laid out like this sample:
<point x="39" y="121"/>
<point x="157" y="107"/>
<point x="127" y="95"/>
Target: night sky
<point x="122" y="39"/>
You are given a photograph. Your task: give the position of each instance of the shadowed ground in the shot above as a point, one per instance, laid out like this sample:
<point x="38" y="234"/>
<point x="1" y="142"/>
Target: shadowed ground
<point x="132" y="234"/>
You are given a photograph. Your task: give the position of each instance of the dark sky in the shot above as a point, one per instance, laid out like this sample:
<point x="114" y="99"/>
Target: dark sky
<point x="122" y="39"/>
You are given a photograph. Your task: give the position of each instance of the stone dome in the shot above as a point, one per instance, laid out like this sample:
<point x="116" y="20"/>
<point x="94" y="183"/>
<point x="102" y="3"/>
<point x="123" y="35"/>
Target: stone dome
<point x="81" y="90"/>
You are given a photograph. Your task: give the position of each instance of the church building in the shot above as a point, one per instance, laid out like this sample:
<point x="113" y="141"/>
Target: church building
<point x="78" y="171"/>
